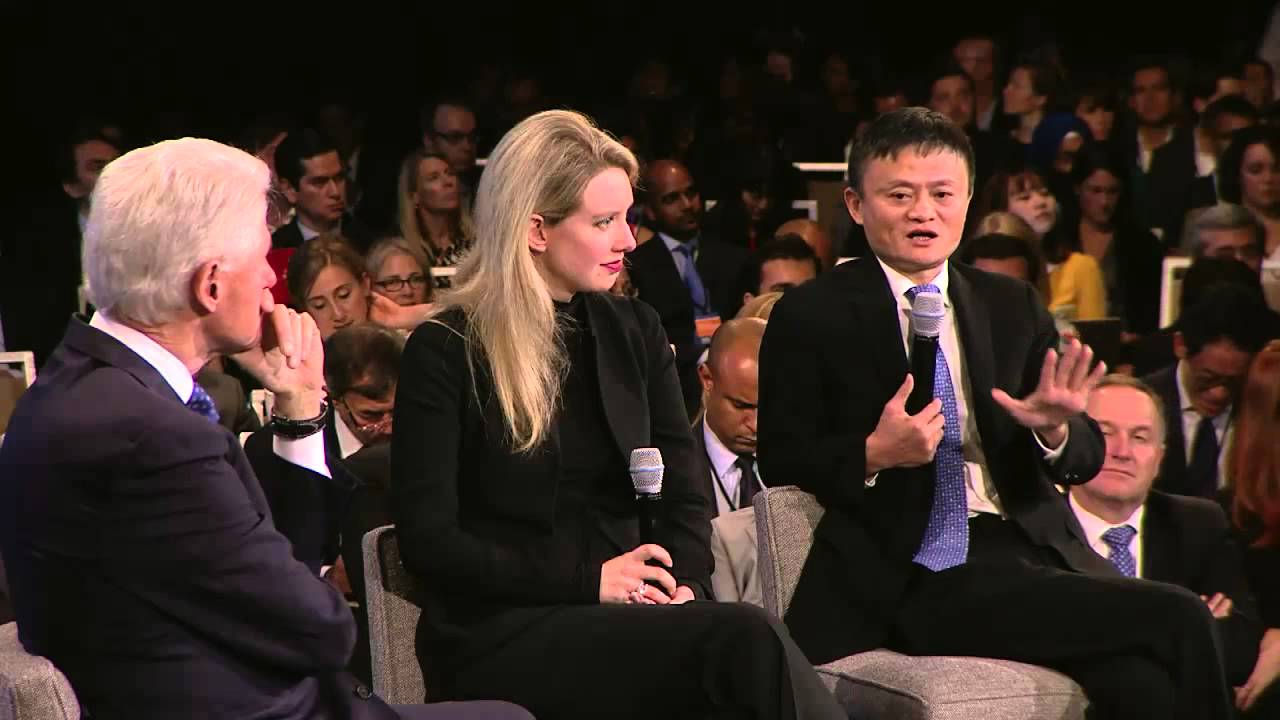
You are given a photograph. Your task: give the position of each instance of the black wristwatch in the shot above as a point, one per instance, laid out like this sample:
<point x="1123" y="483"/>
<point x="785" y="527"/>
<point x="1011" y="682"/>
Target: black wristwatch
<point x="287" y="429"/>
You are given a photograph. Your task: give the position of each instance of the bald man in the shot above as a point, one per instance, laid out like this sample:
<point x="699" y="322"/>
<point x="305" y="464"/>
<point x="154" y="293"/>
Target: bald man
<point x="689" y="277"/>
<point x="814" y="235"/>
<point x="726" y="434"/>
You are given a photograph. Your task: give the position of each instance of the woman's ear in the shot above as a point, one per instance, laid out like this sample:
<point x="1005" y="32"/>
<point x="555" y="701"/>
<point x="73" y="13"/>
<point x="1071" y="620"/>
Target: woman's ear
<point x="537" y="235"/>
<point x="204" y="287"/>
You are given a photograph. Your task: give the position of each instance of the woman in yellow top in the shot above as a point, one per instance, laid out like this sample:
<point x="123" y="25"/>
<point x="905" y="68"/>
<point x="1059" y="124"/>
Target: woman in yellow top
<point x="1076" y="287"/>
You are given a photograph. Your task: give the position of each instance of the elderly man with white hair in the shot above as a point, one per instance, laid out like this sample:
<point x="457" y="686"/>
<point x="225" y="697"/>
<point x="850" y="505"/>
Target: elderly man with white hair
<point x="142" y="556"/>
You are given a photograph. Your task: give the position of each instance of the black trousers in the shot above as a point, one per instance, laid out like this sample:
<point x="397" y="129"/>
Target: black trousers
<point x="1140" y="649"/>
<point x="698" y="660"/>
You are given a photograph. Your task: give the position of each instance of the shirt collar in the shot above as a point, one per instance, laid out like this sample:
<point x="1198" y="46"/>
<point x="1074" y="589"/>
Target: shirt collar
<point x="900" y="283"/>
<point x="1094" y="526"/>
<point x="166" y="363"/>
<point x="722" y="458"/>
<point x="348" y="443"/>
<point x="672" y="243"/>
<point x="307" y="233"/>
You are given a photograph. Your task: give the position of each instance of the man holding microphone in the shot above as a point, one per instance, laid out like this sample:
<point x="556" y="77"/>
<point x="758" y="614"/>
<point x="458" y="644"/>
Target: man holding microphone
<point x="943" y="534"/>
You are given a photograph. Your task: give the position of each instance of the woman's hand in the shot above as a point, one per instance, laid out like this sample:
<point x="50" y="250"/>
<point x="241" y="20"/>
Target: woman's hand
<point x="385" y="312"/>
<point x="626" y="578"/>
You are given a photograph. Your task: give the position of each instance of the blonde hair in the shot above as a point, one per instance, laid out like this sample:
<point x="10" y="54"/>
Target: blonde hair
<point x="1004" y="222"/>
<point x="540" y="167"/>
<point x="410" y="228"/>
<point x="162" y="211"/>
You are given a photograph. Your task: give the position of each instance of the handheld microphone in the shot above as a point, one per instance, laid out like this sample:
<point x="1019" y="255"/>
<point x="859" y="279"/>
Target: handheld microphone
<point x="927" y="314"/>
<point x="646" y="476"/>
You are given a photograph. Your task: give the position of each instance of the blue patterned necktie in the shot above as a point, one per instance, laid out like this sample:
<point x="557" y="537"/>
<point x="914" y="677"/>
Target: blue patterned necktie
<point x="202" y="403"/>
<point x="1117" y="539"/>
<point x="692" y="280"/>
<point x="946" y="537"/>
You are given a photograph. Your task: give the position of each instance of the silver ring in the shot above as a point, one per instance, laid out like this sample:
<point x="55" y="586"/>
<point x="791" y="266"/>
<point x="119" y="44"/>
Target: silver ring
<point x="640" y="590"/>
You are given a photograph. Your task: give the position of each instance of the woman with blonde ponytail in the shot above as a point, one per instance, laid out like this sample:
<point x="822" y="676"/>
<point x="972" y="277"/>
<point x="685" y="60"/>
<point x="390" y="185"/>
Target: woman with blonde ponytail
<point x="517" y="409"/>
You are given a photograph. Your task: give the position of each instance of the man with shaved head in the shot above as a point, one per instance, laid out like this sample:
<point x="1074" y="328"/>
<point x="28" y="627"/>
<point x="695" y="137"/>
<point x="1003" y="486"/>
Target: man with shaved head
<point x="726" y="434"/>
<point x="689" y="277"/>
<point x="814" y="235"/>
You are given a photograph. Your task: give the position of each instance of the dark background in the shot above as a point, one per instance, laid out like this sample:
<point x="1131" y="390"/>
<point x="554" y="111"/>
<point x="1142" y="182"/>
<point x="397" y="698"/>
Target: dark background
<point x="208" y="68"/>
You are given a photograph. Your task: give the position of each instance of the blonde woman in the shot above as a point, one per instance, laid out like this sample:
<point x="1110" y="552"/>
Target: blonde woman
<point x="433" y="212"/>
<point x="517" y="409"/>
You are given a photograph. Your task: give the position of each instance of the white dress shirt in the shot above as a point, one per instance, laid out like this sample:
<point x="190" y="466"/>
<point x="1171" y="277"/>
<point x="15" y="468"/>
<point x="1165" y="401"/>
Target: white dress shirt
<point x="681" y="261"/>
<point x="726" y="476"/>
<point x="307" y="233"/>
<point x="307" y="452"/>
<point x="979" y="488"/>
<point x="1095" y="527"/>
<point x="1222" y="426"/>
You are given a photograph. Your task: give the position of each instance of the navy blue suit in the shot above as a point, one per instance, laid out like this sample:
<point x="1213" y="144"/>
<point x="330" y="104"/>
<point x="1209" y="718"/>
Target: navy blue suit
<point x="143" y="560"/>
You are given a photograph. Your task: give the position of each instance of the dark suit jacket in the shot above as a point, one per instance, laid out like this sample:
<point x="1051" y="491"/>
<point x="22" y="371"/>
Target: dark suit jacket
<point x="478" y="522"/>
<point x="1166" y="188"/>
<point x="832" y="357"/>
<point x="39" y="279"/>
<point x="1173" y="469"/>
<point x="229" y="398"/>
<point x="356" y="232"/>
<point x="139" y="546"/>
<point x="1188" y="542"/>
<point x="653" y="273"/>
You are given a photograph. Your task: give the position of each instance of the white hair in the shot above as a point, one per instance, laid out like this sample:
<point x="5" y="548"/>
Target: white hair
<point x="162" y="211"/>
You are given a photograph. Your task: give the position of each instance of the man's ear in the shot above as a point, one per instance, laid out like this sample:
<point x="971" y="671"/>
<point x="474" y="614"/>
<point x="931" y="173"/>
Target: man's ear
<point x="290" y="192"/>
<point x="1179" y="346"/>
<point x="704" y="376"/>
<point x="205" y="287"/>
<point x="853" y="203"/>
<point x="537" y="235"/>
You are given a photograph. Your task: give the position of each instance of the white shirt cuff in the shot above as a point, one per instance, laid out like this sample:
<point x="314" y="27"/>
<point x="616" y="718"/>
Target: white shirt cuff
<point x="324" y="570"/>
<point x="1052" y="454"/>
<point x="307" y="452"/>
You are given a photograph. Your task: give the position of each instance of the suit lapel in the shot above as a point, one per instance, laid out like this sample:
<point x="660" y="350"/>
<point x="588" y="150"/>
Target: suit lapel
<point x="1160" y="547"/>
<point x="872" y="301"/>
<point x="974" y="329"/>
<point x="622" y="390"/>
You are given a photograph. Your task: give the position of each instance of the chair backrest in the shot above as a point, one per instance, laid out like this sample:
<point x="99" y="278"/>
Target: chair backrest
<point x="31" y="688"/>
<point x="393" y="605"/>
<point x="785" y="520"/>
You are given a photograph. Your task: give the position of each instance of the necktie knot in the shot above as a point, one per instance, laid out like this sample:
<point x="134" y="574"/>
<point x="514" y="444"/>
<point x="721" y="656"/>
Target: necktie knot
<point x="1117" y="540"/>
<point x="927" y="287"/>
<point x="687" y="248"/>
<point x="1119" y="536"/>
<point x="202" y="403"/>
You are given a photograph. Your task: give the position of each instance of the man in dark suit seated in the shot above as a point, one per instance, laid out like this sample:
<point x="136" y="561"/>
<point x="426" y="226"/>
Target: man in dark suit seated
<point x="142" y="556"/>
<point x="689" y="277"/>
<point x="1152" y="535"/>
<point x="943" y="532"/>
<point x="1215" y="341"/>
<point x="314" y="181"/>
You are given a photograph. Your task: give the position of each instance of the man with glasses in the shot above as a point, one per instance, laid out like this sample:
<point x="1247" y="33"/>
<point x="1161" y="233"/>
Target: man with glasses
<point x="449" y="129"/>
<point x="1215" y="341"/>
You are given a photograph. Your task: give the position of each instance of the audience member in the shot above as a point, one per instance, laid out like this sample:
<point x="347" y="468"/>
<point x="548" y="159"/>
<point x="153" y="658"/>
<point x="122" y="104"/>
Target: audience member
<point x="725" y="436"/>
<point x="449" y="131"/>
<point x="1003" y="254"/>
<point x="814" y="235"/>
<point x="1259" y="82"/>
<point x="1248" y="176"/>
<point x="778" y="266"/>
<point x="432" y="212"/>
<point x="976" y="54"/>
<point x="1215" y="341"/>
<point x="757" y="189"/>
<point x="1156" y="536"/>
<point x="314" y="182"/>
<point x="1253" y="500"/>
<point x="1032" y="92"/>
<point x="1228" y="231"/>
<point x="399" y="271"/>
<point x="1096" y="103"/>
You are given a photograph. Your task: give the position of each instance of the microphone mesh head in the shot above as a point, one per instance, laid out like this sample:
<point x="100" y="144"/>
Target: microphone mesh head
<point x="927" y="313"/>
<point x="646" y="470"/>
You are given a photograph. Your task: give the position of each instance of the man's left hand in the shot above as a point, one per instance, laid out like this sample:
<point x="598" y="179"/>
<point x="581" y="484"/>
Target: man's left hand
<point x="1063" y="393"/>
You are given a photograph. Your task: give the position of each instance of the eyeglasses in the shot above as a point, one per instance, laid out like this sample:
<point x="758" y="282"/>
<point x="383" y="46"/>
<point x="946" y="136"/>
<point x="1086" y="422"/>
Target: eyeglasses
<point x="455" y="138"/>
<point x="379" y="424"/>
<point x="395" y="283"/>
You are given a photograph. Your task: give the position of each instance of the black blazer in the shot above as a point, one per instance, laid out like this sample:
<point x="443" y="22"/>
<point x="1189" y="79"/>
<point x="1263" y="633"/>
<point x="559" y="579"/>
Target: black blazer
<point x="1167" y="186"/>
<point x="39" y="278"/>
<point x="832" y="357"/>
<point x="477" y="521"/>
<point x="356" y="232"/>
<point x="1188" y="542"/>
<point x="139" y="545"/>
<point x="653" y="273"/>
<point x="1173" y="468"/>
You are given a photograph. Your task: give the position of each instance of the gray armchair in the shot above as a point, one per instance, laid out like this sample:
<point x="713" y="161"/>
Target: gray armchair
<point x="31" y="688"/>
<point x="393" y="606"/>
<point x="885" y="684"/>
